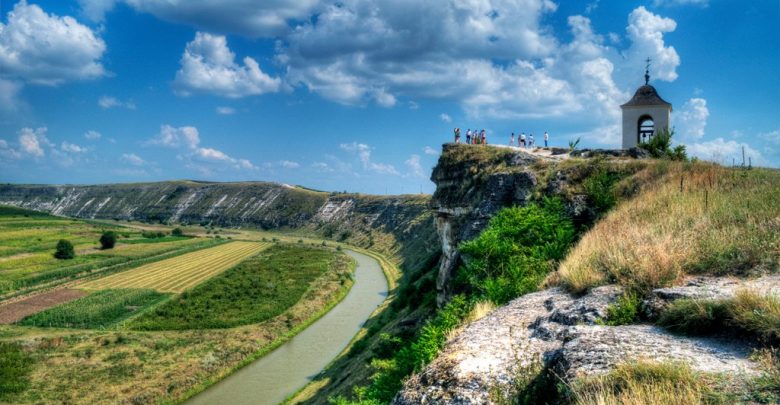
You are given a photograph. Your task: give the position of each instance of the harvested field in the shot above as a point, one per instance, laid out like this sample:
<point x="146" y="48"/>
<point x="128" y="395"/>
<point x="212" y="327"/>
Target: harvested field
<point x="182" y="272"/>
<point x="10" y="313"/>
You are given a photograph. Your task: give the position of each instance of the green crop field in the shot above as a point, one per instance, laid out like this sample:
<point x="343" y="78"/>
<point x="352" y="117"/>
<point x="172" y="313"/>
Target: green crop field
<point x="28" y="238"/>
<point x="99" y="310"/>
<point x="182" y="272"/>
<point x="258" y="289"/>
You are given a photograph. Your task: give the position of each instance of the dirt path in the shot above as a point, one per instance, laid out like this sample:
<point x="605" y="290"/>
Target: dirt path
<point x="10" y="313"/>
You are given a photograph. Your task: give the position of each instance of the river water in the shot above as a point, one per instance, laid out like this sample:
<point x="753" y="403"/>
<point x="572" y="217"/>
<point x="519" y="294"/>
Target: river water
<point x="275" y="376"/>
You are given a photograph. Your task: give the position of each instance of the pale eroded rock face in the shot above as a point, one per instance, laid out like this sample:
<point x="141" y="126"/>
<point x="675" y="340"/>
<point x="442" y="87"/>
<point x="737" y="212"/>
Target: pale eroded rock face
<point x="557" y="331"/>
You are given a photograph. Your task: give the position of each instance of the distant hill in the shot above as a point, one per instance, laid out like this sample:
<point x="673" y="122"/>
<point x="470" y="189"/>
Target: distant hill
<point x="400" y="226"/>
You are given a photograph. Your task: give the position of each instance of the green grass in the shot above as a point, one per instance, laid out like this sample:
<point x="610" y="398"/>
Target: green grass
<point x="28" y="239"/>
<point x="255" y="290"/>
<point x="15" y="366"/>
<point x="96" y="311"/>
<point x="747" y="313"/>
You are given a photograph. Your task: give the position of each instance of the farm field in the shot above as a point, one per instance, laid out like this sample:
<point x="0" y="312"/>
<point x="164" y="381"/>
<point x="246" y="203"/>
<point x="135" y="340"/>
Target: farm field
<point x="120" y="363"/>
<point x="255" y="290"/>
<point x="182" y="272"/>
<point x="99" y="310"/>
<point x="28" y="238"/>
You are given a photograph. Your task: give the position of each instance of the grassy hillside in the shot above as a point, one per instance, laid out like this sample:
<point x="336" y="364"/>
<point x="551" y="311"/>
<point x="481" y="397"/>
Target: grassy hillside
<point x="689" y="219"/>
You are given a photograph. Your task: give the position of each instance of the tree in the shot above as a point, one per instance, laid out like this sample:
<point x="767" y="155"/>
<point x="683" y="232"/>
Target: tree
<point x="660" y="146"/>
<point x="177" y="232"/>
<point x="64" y="250"/>
<point x="107" y="240"/>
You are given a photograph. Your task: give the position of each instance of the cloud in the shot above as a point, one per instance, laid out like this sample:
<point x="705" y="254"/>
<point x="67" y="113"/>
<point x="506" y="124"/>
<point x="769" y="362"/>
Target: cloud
<point x="43" y="48"/>
<point x="9" y="91"/>
<point x="176" y="137"/>
<point x="444" y="117"/>
<point x="249" y="18"/>
<point x="287" y="164"/>
<point x="7" y="152"/>
<point x="414" y="166"/>
<point x="364" y="154"/>
<point x="226" y="110"/>
<point x="430" y="151"/>
<point x="32" y="141"/>
<point x="194" y="155"/>
<point x="208" y="66"/>
<point x="132" y="159"/>
<point x="667" y="3"/>
<point x="646" y="31"/>
<point x="92" y="135"/>
<point x="724" y="152"/>
<point x="692" y="118"/>
<point x="106" y="102"/>
<point x="72" y="148"/>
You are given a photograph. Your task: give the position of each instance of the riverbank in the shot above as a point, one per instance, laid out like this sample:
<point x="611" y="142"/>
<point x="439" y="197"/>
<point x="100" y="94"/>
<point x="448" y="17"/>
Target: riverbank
<point x="289" y="367"/>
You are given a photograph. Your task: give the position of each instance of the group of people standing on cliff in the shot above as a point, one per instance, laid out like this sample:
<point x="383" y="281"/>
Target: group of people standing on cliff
<point x="472" y="137"/>
<point x="480" y="138"/>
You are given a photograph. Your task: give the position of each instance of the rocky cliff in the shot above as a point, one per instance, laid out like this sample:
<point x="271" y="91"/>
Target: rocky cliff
<point x="397" y="225"/>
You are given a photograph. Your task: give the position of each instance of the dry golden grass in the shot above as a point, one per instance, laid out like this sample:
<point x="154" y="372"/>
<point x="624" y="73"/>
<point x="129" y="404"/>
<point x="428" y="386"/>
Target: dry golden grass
<point x="182" y="272"/>
<point x="724" y="221"/>
<point x="643" y="383"/>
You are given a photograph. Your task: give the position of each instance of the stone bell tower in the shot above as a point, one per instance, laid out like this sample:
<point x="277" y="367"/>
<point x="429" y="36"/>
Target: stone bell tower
<point x="645" y="114"/>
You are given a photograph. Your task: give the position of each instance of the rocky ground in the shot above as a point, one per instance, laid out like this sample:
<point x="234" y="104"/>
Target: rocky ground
<point x="551" y="329"/>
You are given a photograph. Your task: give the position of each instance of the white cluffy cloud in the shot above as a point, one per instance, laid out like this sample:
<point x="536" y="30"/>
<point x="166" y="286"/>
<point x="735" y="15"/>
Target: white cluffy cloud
<point x="226" y="110"/>
<point x="92" y="135"/>
<point x="42" y="48"/>
<point x="33" y="141"/>
<point x="430" y="151"/>
<point x="132" y="159"/>
<point x="208" y="66"/>
<point x="187" y="138"/>
<point x="692" y="118"/>
<point x="249" y="18"/>
<point x="725" y="152"/>
<point x="445" y="117"/>
<point x="106" y="102"/>
<point x="414" y="166"/>
<point x="364" y="154"/>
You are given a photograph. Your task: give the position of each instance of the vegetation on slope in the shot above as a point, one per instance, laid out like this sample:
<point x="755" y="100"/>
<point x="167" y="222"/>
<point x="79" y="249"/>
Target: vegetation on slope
<point x="253" y="291"/>
<point x="98" y="310"/>
<point x="697" y="218"/>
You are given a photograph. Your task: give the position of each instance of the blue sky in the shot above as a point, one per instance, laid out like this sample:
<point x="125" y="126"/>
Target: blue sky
<point x="357" y="95"/>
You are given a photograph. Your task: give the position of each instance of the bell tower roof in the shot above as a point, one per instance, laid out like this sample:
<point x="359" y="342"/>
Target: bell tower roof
<point x="646" y="96"/>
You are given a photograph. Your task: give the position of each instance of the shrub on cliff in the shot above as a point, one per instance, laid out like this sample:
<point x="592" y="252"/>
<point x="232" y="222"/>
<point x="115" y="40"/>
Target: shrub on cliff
<point x="517" y="250"/>
<point x="660" y="146"/>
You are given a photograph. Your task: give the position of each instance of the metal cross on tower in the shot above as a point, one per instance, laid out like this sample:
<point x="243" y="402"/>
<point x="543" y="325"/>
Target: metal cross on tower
<point x="647" y="71"/>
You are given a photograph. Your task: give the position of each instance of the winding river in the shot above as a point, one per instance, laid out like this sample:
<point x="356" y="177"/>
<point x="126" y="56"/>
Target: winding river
<point x="275" y="376"/>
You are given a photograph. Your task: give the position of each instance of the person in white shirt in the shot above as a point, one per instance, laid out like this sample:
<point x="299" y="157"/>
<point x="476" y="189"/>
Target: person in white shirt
<point x="546" y="138"/>
<point x="522" y="139"/>
<point x="512" y="140"/>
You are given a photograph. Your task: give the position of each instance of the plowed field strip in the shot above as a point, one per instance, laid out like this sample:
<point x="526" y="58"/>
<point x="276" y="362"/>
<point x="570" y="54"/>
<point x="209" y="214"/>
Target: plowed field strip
<point x="182" y="272"/>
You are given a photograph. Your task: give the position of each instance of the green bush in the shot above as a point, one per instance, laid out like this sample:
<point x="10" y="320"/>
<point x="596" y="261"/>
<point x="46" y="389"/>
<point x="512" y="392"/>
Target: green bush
<point x="695" y="317"/>
<point x="64" y="250"/>
<point x="517" y="250"/>
<point x="660" y="146"/>
<point x="177" y="232"/>
<point x="108" y="240"/>
<point x="600" y="188"/>
<point x="15" y="367"/>
<point x="625" y="311"/>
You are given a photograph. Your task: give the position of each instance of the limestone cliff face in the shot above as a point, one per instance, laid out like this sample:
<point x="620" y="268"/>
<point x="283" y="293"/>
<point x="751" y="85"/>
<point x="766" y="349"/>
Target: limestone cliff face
<point x="469" y="192"/>
<point x="397" y="225"/>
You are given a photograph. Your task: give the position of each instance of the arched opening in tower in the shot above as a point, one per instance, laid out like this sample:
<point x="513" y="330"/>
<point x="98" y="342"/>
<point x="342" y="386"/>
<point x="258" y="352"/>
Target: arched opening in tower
<point x="646" y="129"/>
